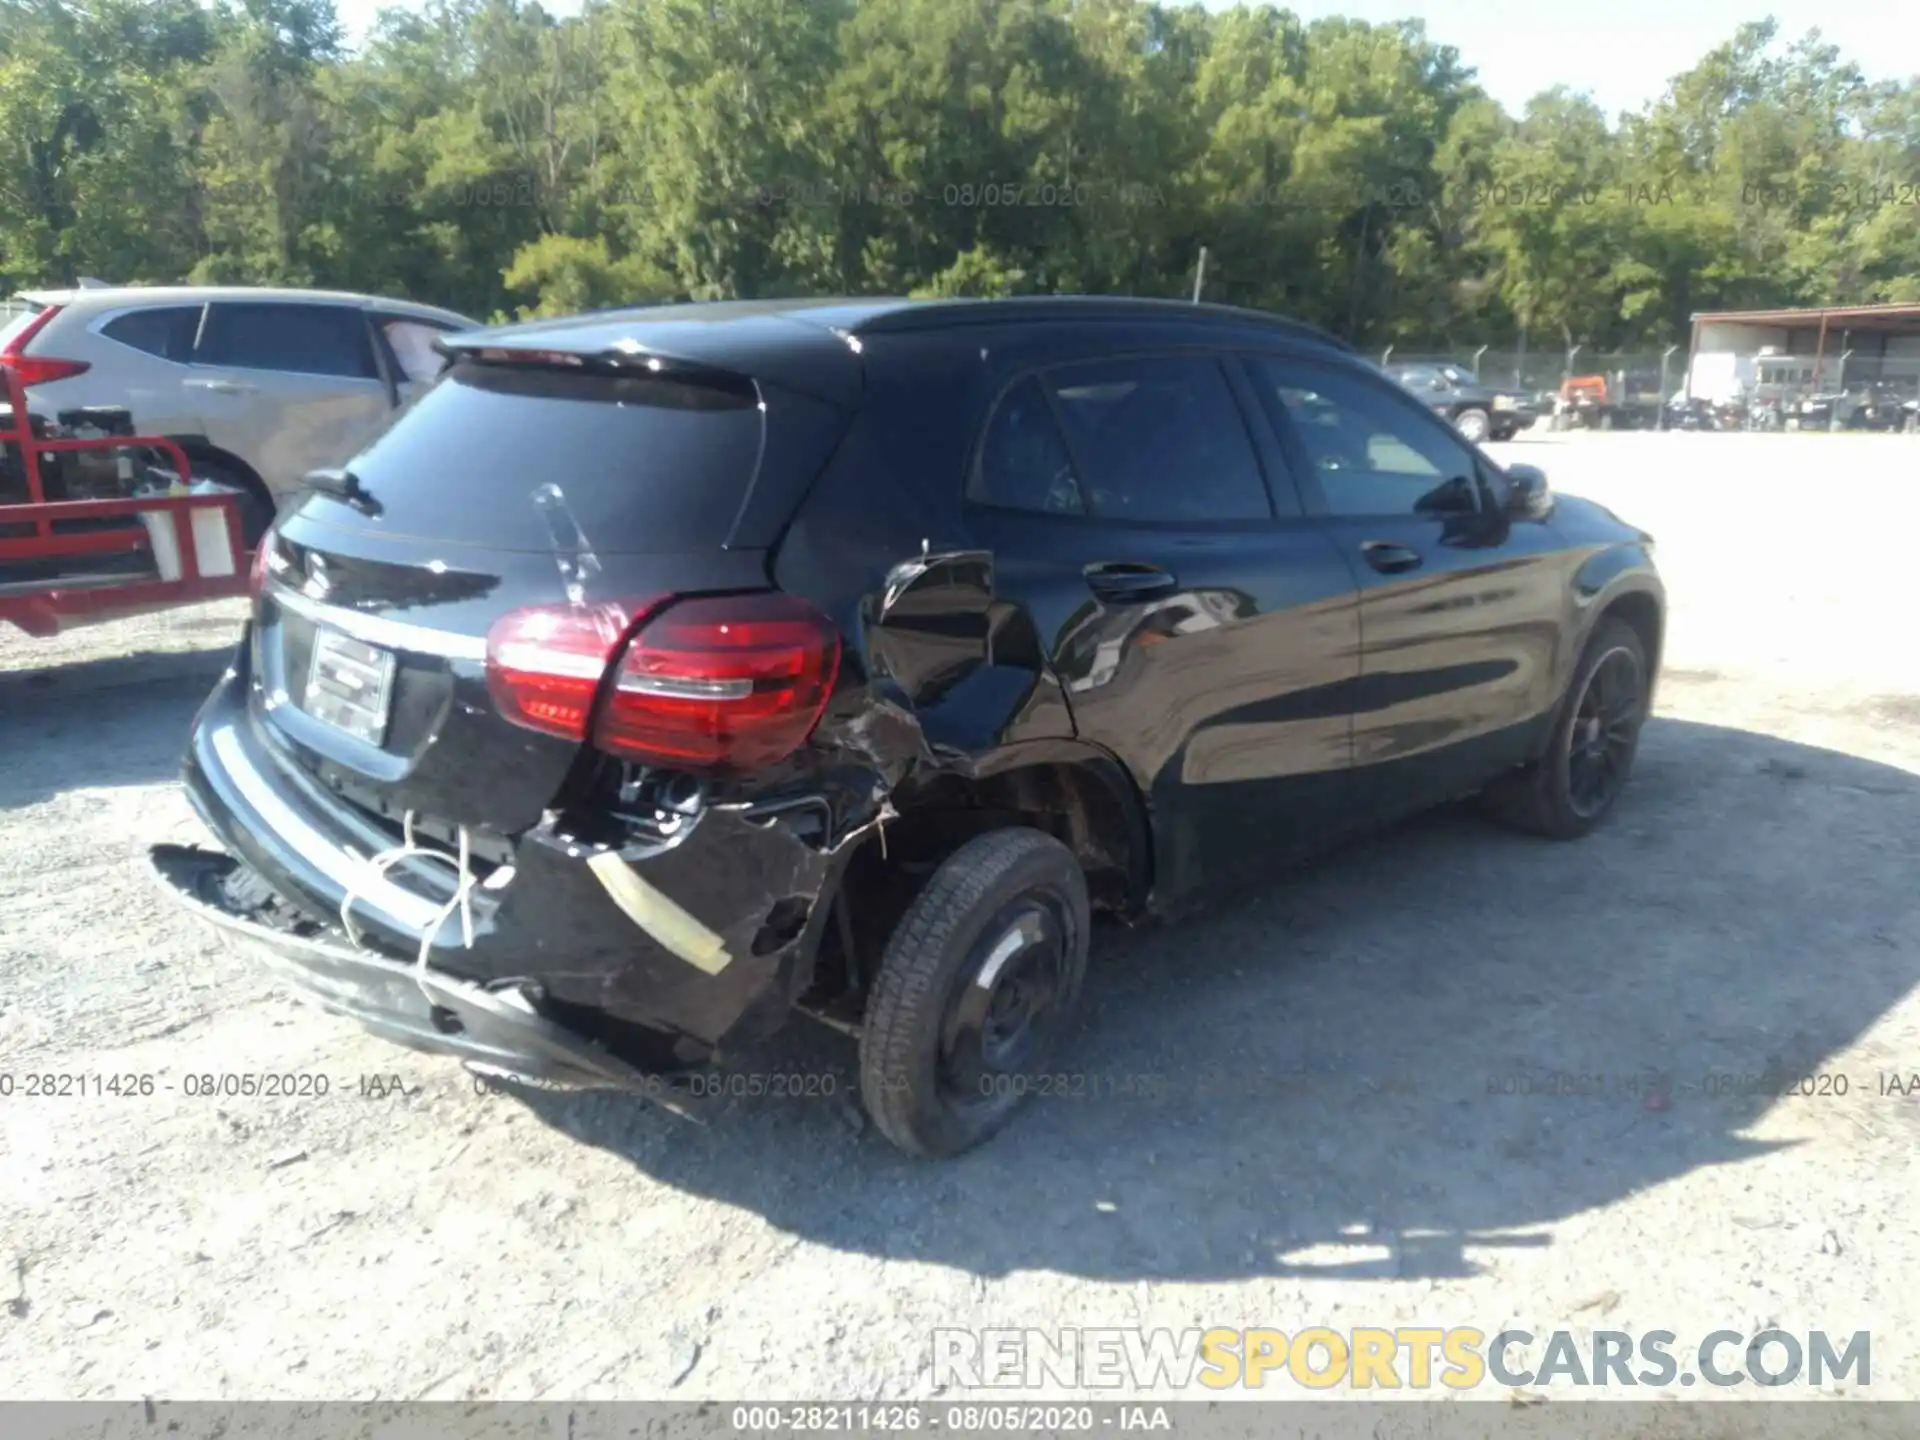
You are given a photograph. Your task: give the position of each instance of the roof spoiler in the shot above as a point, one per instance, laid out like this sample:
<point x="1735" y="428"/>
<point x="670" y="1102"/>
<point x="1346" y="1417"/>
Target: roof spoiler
<point x="989" y="311"/>
<point x="627" y="357"/>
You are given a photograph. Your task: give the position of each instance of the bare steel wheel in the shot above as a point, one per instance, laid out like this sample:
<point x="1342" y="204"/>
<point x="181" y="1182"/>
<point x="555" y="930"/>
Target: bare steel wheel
<point x="979" y="980"/>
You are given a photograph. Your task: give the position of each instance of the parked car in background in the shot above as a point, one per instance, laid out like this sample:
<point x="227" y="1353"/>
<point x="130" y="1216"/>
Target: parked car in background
<point x="258" y="386"/>
<point x="1478" y="411"/>
<point x="665" y="671"/>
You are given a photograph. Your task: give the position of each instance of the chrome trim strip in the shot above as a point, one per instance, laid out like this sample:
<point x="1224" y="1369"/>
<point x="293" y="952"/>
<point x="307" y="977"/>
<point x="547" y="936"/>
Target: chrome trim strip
<point x="378" y="630"/>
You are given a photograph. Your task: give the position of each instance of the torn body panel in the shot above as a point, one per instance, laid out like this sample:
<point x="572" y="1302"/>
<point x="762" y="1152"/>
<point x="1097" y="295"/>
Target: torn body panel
<point x="496" y="1029"/>
<point x="748" y="880"/>
<point x="672" y="914"/>
<point x="675" y="917"/>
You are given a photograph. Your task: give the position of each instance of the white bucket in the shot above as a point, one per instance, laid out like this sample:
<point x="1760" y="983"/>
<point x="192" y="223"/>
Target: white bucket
<point x="212" y="545"/>
<point x="165" y="540"/>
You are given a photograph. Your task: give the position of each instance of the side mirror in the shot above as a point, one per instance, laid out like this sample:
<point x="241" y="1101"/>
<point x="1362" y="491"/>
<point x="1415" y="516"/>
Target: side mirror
<point x="1528" y="494"/>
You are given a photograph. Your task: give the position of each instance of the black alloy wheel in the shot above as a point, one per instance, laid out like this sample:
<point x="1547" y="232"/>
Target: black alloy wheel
<point x="1606" y="726"/>
<point x="1584" y="766"/>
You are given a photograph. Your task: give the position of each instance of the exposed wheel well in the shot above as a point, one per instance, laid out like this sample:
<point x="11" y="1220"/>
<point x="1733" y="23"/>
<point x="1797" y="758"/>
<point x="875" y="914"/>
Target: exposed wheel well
<point x="198" y="447"/>
<point x="1091" y="808"/>
<point x="255" y="521"/>
<point x="1642" y="612"/>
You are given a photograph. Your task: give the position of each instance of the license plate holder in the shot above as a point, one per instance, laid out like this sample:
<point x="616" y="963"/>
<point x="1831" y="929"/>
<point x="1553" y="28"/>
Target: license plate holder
<point x="349" y="685"/>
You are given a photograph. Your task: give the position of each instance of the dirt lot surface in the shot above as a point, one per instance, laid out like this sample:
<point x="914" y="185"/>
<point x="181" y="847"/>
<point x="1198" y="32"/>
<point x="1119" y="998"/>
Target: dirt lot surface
<point x="1312" y="1141"/>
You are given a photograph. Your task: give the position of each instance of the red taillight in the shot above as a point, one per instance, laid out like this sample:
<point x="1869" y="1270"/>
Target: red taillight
<point x="723" y="683"/>
<point x="38" y="369"/>
<point x="731" y="683"/>
<point x="545" y="663"/>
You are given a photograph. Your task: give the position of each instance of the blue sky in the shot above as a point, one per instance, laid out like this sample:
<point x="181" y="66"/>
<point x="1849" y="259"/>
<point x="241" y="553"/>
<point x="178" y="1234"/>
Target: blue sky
<point x="1622" y="51"/>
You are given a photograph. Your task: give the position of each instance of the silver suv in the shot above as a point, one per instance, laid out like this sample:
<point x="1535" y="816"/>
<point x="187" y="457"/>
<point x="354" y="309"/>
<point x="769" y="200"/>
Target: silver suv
<point x="259" y="386"/>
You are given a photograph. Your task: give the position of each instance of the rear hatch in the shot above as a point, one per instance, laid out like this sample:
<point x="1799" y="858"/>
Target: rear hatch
<point x="569" y="494"/>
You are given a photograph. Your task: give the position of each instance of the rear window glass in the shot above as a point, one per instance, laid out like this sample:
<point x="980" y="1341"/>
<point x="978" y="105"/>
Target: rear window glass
<point x="643" y="464"/>
<point x="167" y="332"/>
<point x="15" y="317"/>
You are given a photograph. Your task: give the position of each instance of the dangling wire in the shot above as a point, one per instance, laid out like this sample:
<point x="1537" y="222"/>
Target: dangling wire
<point x="461" y="901"/>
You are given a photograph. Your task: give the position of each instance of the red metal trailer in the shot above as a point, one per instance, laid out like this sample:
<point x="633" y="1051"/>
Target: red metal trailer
<point x="57" y="570"/>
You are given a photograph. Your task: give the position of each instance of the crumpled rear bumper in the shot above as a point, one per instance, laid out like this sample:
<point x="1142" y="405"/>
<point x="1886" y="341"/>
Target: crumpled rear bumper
<point x="495" y="1030"/>
<point x="687" y="948"/>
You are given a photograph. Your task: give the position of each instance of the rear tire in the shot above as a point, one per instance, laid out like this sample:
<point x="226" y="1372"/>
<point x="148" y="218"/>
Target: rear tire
<point x="1597" y="732"/>
<point x="978" y="981"/>
<point x="1473" y="424"/>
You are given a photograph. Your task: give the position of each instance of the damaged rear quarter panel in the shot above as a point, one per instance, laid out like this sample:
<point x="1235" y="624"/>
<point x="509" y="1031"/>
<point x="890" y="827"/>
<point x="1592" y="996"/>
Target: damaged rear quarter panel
<point x="940" y="670"/>
<point x="754" y="884"/>
<point x="940" y="675"/>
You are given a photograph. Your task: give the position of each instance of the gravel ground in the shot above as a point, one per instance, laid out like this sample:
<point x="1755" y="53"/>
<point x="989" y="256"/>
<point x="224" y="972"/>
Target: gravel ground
<point x="405" y="1237"/>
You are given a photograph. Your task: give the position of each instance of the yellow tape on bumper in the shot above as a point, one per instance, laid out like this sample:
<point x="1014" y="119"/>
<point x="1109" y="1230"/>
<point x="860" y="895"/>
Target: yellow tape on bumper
<point x="654" y="913"/>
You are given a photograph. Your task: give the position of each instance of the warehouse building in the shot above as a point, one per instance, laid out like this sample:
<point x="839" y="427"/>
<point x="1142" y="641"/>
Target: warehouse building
<point x="1860" y="349"/>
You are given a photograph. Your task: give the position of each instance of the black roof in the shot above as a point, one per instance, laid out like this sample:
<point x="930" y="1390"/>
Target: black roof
<point x="812" y="344"/>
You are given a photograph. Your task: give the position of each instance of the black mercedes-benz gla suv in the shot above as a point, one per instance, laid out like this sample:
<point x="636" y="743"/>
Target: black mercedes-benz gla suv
<point x="660" y="672"/>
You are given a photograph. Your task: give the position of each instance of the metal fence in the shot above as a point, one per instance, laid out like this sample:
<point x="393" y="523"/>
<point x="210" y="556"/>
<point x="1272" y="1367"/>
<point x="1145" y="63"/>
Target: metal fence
<point x="1639" y="374"/>
<point x="1839" y="390"/>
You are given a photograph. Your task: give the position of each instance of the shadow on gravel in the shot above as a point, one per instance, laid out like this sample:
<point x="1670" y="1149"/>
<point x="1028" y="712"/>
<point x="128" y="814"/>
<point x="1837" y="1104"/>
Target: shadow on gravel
<point x="122" y="720"/>
<point x="1316" y="1081"/>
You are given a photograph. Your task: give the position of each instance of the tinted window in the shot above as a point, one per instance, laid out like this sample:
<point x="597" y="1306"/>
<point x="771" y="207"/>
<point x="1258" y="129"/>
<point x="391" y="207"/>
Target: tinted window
<point x="1374" y="452"/>
<point x="13" y="321"/>
<point x="167" y="331"/>
<point x="305" y="339"/>
<point x="1024" y="464"/>
<point x="1160" y="439"/>
<point x="642" y="463"/>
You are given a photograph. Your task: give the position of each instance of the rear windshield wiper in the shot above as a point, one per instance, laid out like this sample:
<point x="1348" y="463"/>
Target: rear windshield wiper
<point x="342" y="484"/>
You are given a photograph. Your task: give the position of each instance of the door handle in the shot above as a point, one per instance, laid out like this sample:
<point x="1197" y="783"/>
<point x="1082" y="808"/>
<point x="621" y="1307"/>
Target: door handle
<point x="221" y="387"/>
<point x="1129" y="581"/>
<point x="1389" y="558"/>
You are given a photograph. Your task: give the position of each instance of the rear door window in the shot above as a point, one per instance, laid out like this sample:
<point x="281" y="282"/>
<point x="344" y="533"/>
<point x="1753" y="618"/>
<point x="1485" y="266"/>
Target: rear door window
<point x="1024" y="461"/>
<point x="301" y="339"/>
<point x="1160" y="439"/>
<point x="167" y="331"/>
<point x="642" y="464"/>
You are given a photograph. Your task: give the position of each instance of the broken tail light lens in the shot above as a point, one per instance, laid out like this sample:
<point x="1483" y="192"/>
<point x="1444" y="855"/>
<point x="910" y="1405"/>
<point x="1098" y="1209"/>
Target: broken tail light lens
<point x="38" y="369"/>
<point x="726" y="683"/>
